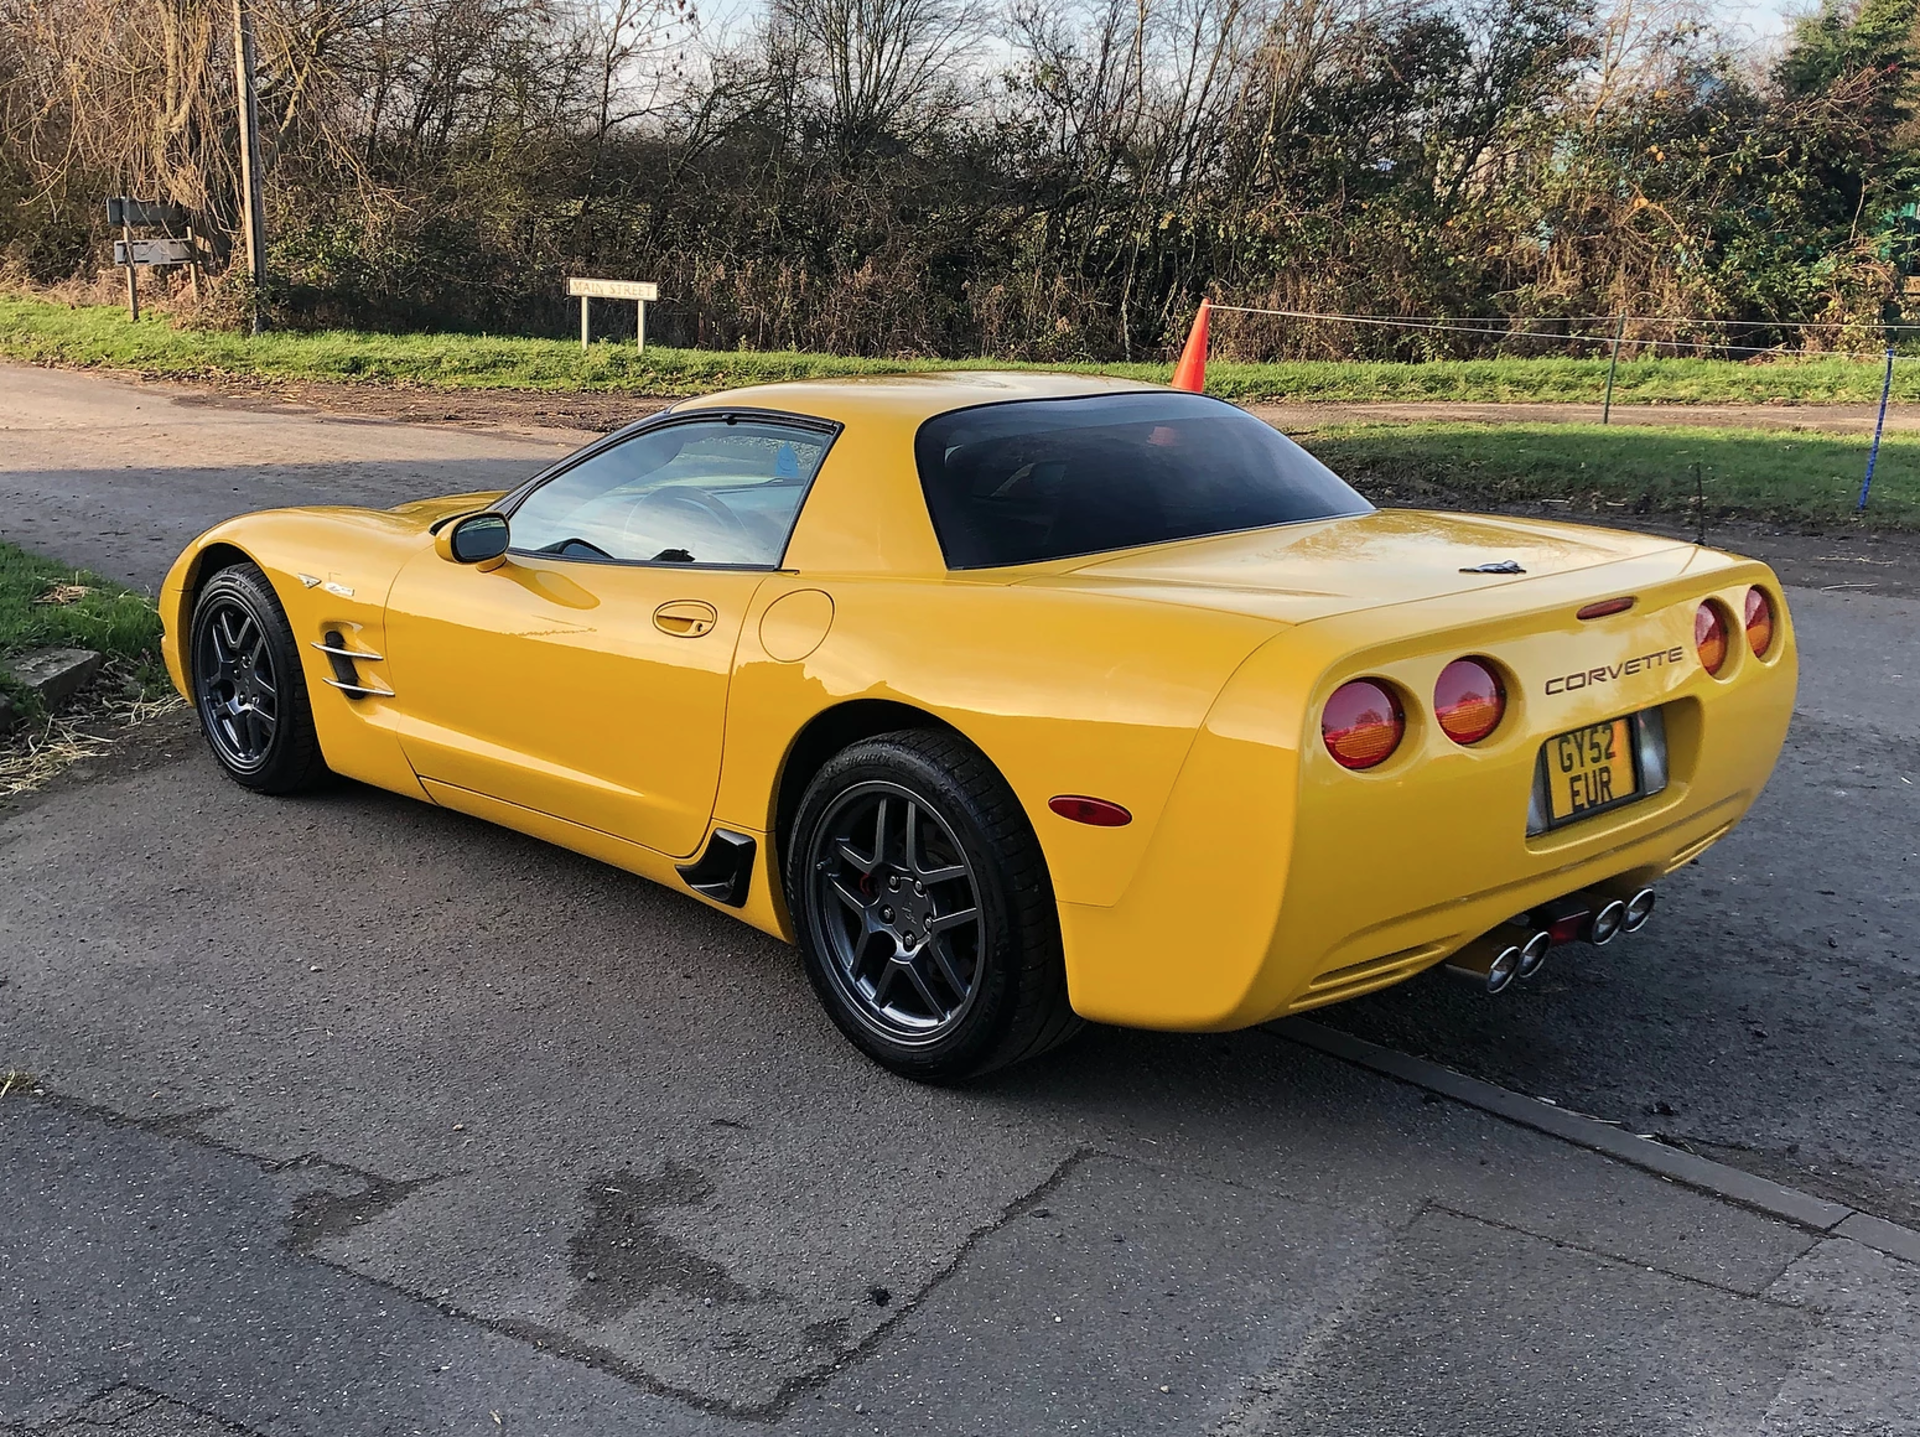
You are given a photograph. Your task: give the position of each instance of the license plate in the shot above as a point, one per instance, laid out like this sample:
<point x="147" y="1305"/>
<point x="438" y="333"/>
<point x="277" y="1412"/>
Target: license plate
<point x="1590" y="769"/>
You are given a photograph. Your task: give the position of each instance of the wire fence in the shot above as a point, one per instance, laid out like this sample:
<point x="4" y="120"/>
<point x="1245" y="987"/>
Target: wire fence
<point x="1614" y="342"/>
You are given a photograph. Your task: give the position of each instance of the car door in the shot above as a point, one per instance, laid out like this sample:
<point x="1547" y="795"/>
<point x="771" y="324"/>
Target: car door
<point x="585" y="674"/>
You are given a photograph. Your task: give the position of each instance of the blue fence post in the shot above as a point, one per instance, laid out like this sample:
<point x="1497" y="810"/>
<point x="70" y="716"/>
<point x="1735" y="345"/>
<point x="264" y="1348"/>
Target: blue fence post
<point x="1886" y="388"/>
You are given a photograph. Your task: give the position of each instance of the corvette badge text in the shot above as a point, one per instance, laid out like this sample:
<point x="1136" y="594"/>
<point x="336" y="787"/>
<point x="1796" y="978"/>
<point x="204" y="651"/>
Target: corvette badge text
<point x="1567" y="683"/>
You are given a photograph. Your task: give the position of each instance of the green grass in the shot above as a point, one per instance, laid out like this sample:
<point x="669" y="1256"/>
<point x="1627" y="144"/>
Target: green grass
<point x="45" y="333"/>
<point x="1768" y="474"/>
<point x="113" y="620"/>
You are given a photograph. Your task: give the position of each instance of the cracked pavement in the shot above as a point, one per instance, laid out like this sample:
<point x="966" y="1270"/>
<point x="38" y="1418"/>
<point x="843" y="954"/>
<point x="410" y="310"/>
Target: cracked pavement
<point x="352" y="1115"/>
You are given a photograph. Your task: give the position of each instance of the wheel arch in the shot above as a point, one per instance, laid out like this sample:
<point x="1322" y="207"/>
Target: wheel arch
<point x="826" y="734"/>
<point x="221" y="554"/>
<point x="176" y="603"/>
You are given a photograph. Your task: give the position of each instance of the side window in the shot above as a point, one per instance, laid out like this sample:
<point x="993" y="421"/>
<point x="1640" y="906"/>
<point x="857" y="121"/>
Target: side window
<point x="702" y="492"/>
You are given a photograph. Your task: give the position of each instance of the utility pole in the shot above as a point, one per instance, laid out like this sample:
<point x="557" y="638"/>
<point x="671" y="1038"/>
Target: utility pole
<point x="252" y="213"/>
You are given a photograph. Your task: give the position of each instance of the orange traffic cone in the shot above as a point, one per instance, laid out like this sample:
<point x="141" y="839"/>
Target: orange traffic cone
<point x="1191" y="371"/>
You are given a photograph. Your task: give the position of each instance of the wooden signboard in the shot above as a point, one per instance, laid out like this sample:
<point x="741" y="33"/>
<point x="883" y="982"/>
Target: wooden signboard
<point x="123" y="211"/>
<point x="640" y="291"/>
<point x="155" y="251"/>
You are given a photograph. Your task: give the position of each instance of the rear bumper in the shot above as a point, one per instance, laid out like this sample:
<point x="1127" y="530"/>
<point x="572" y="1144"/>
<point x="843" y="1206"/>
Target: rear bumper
<point x="1277" y="881"/>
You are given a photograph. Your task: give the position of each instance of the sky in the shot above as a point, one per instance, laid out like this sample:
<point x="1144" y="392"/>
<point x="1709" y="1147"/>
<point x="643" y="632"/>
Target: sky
<point x="1765" y="19"/>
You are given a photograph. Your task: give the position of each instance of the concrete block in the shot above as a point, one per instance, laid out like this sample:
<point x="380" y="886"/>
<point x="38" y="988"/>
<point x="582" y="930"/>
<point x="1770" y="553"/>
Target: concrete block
<point x="57" y="674"/>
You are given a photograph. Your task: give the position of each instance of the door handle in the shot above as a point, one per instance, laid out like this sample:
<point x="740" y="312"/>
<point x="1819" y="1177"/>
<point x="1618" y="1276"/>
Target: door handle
<point x="685" y="618"/>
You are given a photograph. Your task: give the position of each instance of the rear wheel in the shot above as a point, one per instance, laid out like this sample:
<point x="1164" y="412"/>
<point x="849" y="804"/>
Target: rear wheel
<point x="248" y="687"/>
<point x="924" y="910"/>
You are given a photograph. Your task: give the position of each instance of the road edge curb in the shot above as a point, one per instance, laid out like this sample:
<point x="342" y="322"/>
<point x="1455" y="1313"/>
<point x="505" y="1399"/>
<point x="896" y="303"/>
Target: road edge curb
<point x="1597" y="1135"/>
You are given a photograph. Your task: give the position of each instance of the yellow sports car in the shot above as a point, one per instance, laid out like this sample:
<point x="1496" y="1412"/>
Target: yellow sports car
<point x="1017" y="700"/>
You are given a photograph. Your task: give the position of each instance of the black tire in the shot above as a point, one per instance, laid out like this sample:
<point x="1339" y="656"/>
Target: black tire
<point x="888" y="982"/>
<point x="248" y="685"/>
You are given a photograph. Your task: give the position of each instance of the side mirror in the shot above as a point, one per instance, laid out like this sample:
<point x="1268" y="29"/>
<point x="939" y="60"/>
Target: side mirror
<point x="473" y="539"/>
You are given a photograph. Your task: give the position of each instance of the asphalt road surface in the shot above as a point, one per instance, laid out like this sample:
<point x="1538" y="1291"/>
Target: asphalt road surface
<point x="351" y="1115"/>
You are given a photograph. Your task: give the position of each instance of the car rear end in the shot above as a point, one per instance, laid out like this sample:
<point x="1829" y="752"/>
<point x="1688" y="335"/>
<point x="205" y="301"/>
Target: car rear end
<point x="1349" y="816"/>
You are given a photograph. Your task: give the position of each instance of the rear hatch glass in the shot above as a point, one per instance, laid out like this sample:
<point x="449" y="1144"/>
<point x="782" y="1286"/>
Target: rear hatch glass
<point x="1035" y="480"/>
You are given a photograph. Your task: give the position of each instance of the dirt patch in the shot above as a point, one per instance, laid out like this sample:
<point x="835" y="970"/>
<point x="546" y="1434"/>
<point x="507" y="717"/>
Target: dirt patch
<point x="517" y="410"/>
<point x="602" y="412"/>
<point x="106" y="729"/>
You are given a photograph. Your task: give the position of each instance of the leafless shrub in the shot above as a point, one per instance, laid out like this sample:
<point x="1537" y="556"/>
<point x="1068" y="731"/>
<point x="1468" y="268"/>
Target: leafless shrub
<point x="1042" y="178"/>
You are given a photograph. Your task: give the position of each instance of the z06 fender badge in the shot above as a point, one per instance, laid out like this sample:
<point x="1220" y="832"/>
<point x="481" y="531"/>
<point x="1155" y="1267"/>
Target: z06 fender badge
<point x="1496" y="566"/>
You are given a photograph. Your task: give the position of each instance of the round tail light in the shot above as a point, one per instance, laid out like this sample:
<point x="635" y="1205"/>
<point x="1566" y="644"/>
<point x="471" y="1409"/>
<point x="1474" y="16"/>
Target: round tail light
<point x="1362" y="723"/>
<point x="1710" y="637"/>
<point x="1759" y="621"/>
<point x="1469" y="700"/>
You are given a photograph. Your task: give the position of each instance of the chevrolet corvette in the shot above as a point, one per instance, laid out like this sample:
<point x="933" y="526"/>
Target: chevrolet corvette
<point x="1017" y="700"/>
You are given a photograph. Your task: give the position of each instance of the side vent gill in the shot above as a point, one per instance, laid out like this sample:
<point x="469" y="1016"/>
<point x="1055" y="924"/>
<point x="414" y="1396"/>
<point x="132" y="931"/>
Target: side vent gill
<point x="343" y="661"/>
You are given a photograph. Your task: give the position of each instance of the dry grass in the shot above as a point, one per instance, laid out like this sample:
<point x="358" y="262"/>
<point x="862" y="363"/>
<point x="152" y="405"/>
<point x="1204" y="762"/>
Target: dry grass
<point x="90" y="728"/>
<point x="61" y="592"/>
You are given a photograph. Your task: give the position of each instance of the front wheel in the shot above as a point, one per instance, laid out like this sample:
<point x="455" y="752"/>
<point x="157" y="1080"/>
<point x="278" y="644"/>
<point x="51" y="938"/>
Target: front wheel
<point x="248" y="687"/>
<point x="925" y="914"/>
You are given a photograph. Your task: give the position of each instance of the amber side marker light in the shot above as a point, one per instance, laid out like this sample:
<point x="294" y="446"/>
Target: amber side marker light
<point x="1710" y="637"/>
<point x="1759" y="621"/>
<point x="1605" y="607"/>
<point x="1469" y="700"/>
<point x="1362" y="724"/>
<point x="1096" y="811"/>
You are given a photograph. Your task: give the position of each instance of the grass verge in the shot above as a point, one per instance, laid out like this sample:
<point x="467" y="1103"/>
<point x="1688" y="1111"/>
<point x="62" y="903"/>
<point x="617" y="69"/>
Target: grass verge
<point x="96" y="335"/>
<point x="45" y="603"/>
<point x="1793" y="476"/>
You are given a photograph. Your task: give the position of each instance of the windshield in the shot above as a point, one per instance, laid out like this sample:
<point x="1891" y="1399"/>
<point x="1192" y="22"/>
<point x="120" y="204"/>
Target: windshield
<point x="1041" y="479"/>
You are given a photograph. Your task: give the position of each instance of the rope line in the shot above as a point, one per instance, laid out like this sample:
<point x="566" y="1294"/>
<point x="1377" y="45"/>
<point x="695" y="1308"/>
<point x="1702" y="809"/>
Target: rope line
<point x="1596" y="319"/>
<point x="1454" y="328"/>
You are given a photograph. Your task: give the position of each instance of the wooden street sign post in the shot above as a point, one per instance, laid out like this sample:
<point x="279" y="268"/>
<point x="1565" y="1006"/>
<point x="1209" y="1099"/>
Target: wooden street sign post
<point x="128" y="214"/>
<point x="640" y="291"/>
<point x="125" y="243"/>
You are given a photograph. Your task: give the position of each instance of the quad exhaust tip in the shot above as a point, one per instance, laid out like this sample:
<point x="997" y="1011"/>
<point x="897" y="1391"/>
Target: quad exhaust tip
<point x="1494" y="960"/>
<point x="1639" y="910"/>
<point x="1490" y="963"/>
<point x="1533" y="953"/>
<point x="1607" y="920"/>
